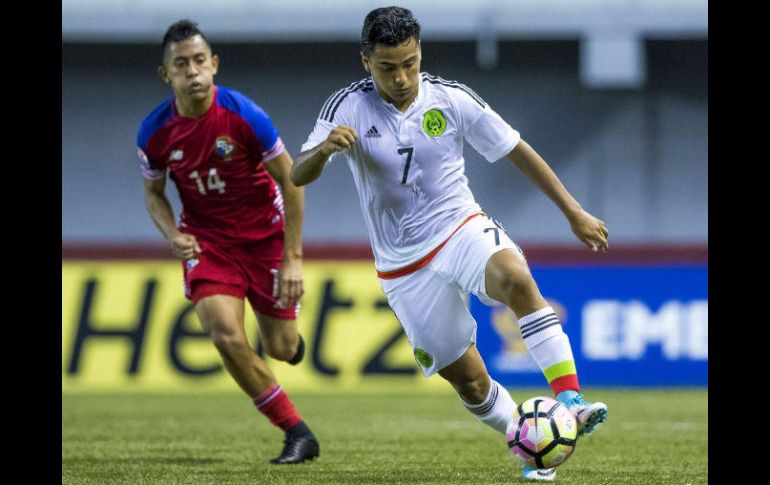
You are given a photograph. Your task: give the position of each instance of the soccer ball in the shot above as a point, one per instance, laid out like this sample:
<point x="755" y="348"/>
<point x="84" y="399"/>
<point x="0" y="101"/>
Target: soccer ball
<point x="542" y="433"/>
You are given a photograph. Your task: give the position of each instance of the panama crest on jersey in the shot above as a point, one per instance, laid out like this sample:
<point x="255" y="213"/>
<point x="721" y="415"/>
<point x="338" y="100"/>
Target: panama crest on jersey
<point x="224" y="146"/>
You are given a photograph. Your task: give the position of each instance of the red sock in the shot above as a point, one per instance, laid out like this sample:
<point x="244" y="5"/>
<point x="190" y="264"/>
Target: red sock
<point x="565" y="383"/>
<point x="275" y="404"/>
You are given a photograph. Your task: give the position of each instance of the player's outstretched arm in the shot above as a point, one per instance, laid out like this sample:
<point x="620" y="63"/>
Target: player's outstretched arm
<point x="590" y="230"/>
<point x="183" y="246"/>
<point x="290" y="284"/>
<point x="309" y="164"/>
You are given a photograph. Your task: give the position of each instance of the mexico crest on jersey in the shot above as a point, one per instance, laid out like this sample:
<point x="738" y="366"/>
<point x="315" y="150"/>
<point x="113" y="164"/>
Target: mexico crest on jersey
<point x="434" y="123"/>
<point x="224" y="146"/>
<point x="423" y="358"/>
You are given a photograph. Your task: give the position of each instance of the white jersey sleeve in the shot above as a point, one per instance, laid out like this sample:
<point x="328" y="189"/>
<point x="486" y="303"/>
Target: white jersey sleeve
<point x="483" y="128"/>
<point x="320" y="133"/>
<point x="334" y="112"/>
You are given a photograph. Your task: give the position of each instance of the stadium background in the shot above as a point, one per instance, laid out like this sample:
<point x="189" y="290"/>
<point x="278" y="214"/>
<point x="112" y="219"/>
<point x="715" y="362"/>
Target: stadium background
<point x="613" y="94"/>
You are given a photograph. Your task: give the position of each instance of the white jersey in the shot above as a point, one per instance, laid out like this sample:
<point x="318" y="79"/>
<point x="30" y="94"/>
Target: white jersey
<point x="409" y="167"/>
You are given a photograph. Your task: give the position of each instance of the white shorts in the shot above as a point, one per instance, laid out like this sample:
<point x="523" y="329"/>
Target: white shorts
<point x="431" y="303"/>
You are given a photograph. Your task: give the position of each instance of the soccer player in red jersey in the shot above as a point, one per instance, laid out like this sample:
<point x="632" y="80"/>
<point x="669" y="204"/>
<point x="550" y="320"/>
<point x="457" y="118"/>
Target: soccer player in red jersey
<point x="234" y="238"/>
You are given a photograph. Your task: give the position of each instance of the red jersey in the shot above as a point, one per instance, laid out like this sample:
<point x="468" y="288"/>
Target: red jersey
<point x="217" y="163"/>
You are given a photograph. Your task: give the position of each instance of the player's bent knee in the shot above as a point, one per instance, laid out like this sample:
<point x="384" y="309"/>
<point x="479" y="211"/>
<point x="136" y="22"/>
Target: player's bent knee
<point x="282" y="349"/>
<point x="516" y="285"/>
<point x="508" y="274"/>
<point x="282" y="353"/>
<point x="229" y="345"/>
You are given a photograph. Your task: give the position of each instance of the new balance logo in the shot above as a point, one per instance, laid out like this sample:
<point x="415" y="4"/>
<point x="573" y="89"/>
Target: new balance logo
<point x="373" y="133"/>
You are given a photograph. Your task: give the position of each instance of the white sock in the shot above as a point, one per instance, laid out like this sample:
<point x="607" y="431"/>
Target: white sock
<point x="545" y="339"/>
<point x="497" y="409"/>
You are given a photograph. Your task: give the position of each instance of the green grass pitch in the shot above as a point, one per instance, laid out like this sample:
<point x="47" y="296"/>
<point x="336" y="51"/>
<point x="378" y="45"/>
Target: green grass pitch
<point x="651" y="437"/>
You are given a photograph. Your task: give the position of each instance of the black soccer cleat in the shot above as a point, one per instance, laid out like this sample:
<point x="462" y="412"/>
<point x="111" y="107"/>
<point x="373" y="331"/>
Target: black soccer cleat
<point x="297" y="449"/>
<point x="298" y="356"/>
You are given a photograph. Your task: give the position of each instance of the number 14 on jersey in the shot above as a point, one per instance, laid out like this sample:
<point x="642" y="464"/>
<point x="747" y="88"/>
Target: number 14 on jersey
<point x="213" y="182"/>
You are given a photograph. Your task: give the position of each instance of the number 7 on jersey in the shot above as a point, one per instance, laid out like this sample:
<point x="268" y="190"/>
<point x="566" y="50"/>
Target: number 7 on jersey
<point x="409" y="151"/>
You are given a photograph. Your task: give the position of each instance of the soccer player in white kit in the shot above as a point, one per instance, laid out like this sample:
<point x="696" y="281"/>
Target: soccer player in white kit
<point x="401" y="132"/>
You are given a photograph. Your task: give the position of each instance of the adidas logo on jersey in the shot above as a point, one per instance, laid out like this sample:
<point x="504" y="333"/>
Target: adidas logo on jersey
<point x="373" y="133"/>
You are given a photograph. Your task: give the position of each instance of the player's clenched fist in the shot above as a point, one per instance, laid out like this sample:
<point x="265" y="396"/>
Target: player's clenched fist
<point x="340" y="138"/>
<point x="592" y="231"/>
<point x="184" y="246"/>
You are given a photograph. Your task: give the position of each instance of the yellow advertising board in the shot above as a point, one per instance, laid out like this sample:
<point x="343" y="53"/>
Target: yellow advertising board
<point x="126" y="326"/>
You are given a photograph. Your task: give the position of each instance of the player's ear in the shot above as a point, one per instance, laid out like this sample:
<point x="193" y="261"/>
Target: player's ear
<point x="163" y="75"/>
<point x="215" y="63"/>
<point x="365" y="63"/>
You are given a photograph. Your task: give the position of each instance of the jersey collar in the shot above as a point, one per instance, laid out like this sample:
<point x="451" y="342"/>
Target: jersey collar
<point x="412" y="107"/>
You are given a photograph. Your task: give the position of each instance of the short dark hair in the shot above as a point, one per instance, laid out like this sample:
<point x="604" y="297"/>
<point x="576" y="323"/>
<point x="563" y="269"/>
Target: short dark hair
<point x="389" y="26"/>
<point x="181" y="30"/>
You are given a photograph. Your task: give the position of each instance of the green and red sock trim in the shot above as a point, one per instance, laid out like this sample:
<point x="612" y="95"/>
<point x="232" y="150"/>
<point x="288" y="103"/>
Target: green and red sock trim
<point x="562" y="377"/>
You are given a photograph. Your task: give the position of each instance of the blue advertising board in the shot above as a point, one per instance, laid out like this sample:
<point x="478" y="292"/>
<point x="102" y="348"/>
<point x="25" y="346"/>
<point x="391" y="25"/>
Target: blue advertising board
<point x="628" y="326"/>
